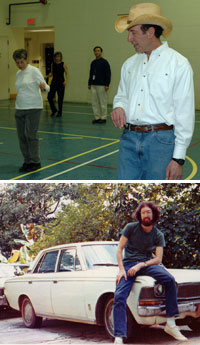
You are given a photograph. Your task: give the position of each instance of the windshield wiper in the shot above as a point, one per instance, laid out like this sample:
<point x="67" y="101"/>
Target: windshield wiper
<point x="105" y="264"/>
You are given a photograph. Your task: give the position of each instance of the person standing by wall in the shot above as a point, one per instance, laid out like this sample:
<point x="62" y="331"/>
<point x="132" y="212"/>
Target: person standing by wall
<point x="58" y="83"/>
<point x="98" y="83"/>
<point x="155" y="100"/>
<point x="28" y="109"/>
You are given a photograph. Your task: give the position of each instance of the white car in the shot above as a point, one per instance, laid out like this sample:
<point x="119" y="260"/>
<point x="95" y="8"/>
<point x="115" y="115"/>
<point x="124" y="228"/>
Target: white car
<point x="76" y="282"/>
<point x="6" y="271"/>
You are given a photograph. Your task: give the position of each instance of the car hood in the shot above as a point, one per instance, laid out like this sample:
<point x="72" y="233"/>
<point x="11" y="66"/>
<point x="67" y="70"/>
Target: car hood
<point x="180" y="275"/>
<point x="186" y="275"/>
<point x="109" y="273"/>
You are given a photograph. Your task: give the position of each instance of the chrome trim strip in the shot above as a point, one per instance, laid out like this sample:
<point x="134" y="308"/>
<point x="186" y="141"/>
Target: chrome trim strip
<point x="57" y="317"/>
<point x="160" y="309"/>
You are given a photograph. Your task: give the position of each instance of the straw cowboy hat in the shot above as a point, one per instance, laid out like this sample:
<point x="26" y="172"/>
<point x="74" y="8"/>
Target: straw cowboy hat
<point x="146" y="13"/>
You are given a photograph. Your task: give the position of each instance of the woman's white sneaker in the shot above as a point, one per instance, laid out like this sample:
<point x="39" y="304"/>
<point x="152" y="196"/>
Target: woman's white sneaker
<point x="118" y="340"/>
<point x="174" y="332"/>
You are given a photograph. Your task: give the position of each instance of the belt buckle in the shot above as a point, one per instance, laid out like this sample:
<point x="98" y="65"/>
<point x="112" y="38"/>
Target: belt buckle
<point x="144" y="128"/>
<point x="149" y="128"/>
<point x="137" y="128"/>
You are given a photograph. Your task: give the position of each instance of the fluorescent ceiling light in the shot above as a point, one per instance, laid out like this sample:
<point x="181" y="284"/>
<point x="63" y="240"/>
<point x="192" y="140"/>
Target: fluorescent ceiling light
<point x="39" y="30"/>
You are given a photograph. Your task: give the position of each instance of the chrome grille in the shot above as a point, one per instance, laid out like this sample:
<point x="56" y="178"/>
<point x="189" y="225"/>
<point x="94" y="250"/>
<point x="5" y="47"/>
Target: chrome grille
<point x="188" y="291"/>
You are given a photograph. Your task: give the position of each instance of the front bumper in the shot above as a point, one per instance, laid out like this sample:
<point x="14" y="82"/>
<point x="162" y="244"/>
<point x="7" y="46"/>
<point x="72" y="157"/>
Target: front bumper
<point x="160" y="310"/>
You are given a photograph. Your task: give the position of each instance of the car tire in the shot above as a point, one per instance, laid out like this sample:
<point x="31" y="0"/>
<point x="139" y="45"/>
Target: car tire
<point x="28" y="315"/>
<point x="108" y="319"/>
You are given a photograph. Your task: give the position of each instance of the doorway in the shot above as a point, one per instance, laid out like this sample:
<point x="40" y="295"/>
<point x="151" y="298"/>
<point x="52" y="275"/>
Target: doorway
<point x="4" y="68"/>
<point x="39" y="42"/>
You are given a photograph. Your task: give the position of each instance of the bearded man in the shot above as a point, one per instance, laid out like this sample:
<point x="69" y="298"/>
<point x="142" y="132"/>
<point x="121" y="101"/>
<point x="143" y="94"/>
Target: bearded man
<point x="143" y="244"/>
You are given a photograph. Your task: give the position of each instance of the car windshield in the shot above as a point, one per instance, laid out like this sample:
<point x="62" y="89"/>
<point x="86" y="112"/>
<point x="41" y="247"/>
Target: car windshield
<point x="100" y="255"/>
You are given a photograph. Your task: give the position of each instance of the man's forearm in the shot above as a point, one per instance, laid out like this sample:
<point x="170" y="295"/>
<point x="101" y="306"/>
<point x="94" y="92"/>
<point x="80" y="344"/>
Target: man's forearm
<point x="154" y="261"/>
<point x="119" y="260"/>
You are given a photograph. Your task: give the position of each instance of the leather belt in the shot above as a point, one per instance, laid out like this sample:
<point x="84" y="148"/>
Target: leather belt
<point x="148" y="128"/>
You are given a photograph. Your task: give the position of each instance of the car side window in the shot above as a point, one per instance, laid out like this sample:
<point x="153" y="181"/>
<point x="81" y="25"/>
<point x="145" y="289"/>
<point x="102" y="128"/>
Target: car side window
<point x="69" y="261"/>
<point x="47" y="263"/>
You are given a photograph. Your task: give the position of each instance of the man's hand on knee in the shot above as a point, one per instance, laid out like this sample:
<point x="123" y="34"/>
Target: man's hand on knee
<point x="121" y="274"/>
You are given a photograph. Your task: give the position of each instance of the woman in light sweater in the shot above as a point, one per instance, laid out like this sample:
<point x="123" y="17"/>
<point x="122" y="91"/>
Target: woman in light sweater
<point x="28" y="109"/>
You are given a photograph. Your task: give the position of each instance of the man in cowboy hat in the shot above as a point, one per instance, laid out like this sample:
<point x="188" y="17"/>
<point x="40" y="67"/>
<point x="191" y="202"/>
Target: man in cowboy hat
<point x="138" y="242"/>
<point x="155" y="100"/>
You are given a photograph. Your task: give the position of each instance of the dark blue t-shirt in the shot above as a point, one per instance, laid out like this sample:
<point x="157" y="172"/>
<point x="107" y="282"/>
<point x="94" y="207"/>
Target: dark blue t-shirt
<point x="141" y="245"/>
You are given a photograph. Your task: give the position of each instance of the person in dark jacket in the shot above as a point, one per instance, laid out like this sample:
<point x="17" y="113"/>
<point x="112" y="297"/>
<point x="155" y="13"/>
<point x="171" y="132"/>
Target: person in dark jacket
<point x="98" y="83"/>
<point x="58" y="83"/>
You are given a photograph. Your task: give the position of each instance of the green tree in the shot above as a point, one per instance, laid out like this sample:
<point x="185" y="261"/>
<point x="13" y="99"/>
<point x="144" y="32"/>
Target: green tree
<point x="102" y="210"/>
<point x="180" y="217"/>
<point x="86" y="218"/>
<point x="28" y="203"/>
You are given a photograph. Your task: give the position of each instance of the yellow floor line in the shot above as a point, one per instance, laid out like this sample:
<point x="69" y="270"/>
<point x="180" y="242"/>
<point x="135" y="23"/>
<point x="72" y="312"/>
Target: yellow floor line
<point x="65" y="160"/>
<point x="80" y="165"/>
<point x="194" y="165"/>
<point x="71" y="135"/>
<point x="194" y="168"/>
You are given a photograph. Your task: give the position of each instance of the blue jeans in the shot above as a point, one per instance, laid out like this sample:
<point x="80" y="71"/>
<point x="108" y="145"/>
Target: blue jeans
<point x="160" y="274"/>
<point x="145" y="156"/>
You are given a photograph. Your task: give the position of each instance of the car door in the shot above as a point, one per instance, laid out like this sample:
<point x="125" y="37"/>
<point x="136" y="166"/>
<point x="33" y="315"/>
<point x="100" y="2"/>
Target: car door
<point x="40" y="283"/>
<point x="67" y="289"/>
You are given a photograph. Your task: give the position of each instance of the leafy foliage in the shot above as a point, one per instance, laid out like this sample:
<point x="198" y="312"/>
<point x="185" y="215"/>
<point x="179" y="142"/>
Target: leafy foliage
<point x="28" y="203"/>
<point x="180" y="218"/>
<point x="86" y="218"/>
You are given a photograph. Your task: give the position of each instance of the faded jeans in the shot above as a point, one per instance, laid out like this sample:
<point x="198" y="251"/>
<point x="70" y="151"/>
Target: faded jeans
<point x="145" y="156"/>
<point x="160" y="274"/>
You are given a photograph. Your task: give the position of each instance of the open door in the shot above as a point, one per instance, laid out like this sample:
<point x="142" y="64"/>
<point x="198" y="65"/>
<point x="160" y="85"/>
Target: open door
<point x="4" y="68"/>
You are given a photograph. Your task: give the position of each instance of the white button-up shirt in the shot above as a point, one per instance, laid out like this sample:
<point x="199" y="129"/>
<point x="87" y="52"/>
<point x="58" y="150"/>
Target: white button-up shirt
<point x="159" y="90"/>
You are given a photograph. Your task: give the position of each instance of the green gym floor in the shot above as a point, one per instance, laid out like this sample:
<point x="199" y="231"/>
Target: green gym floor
<point x="72" y="148"/>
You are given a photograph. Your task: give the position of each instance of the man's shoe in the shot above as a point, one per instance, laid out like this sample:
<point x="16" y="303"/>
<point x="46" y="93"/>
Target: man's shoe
<point x="24" y="167"/>
<point x="174" y="332"/>
<point x="96" y="121"/>
<point x="53" y="113"/>
<point x="59" y="115"/>
<point x="118" y="340"/>
<point x="33" y="166"/>
<point x="102" y="121"/>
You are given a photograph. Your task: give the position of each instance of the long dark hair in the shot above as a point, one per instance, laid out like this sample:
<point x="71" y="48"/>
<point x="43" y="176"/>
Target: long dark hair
<point x="153" y="207"/>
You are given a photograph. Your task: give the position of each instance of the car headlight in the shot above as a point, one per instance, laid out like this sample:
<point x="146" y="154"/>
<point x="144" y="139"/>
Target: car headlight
<point x="159" y="290"/>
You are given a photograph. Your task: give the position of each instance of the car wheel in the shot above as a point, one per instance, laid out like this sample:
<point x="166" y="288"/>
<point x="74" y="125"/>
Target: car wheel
<point x="195" y="324"/>
<point x="108" y="319"/>
<point x="28" y="315"/>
